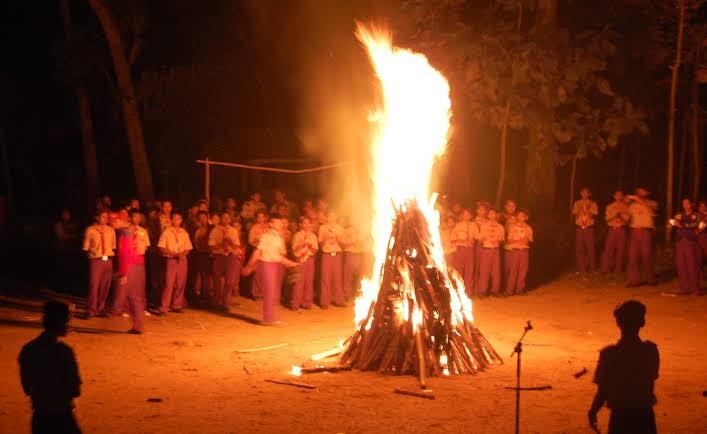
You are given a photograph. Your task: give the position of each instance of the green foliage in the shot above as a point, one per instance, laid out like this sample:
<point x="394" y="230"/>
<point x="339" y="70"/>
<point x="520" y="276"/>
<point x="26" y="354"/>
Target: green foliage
<point x="554" y="82"/>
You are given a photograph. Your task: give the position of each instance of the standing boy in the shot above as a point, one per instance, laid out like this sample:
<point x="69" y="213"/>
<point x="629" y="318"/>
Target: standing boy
<point x="304" y="249"/>
<point x="617" y="218"/>
<point x="99" y="244"/>
<point x="225" y="244"/>
<point x="174" y="245"/>
<point x="464" y="238"/>
<point x="330" y="237"/>
<point x="625" y="376"/>
<point x="584" y="211"/>
<point x="490" y="239"/>
<point x="517" y="247"/>
<point x="640" y="248"/>
<point x="269" y="253"/>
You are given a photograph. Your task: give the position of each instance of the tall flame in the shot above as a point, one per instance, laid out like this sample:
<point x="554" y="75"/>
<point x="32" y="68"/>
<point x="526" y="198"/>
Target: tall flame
<point x="411" y="129"/>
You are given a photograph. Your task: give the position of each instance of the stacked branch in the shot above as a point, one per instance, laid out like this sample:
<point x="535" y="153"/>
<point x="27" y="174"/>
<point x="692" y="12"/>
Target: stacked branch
<point x="412" y="328"/>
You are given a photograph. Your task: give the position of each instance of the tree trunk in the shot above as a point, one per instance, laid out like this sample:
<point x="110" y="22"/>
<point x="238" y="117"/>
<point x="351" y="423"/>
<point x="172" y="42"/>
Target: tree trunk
<point x="671" y="115"/>
<point x="681" y="159"/>
<point x="7" y="175"/>
<point x="695" y="141"/>
<point x="540" y="172"/>
<point x="131" y="113"/>
<point x="637" y="165"/>
<point x="502" y="159"/>
<point x="90" y="160"/>
<point x="573" y="176"/>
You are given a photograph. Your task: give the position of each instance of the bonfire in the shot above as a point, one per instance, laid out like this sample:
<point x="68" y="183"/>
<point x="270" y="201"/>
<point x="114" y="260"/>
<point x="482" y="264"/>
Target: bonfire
<point x="413" y="315"/>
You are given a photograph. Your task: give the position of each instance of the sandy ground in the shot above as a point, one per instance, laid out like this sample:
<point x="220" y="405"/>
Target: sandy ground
<point x="189" y="361"/>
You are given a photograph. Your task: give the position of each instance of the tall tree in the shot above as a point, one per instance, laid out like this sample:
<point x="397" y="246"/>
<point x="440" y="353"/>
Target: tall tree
<point x="671" y="111"/>
<point x="539" y="79"/>
<point x="128" y="100"/>
<point x="85" y="119"/>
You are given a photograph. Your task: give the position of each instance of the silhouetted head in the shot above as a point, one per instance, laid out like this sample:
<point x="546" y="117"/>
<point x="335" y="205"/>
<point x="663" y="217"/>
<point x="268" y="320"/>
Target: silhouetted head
<point x="56" y="318"/>
<point x="630" y="317"/>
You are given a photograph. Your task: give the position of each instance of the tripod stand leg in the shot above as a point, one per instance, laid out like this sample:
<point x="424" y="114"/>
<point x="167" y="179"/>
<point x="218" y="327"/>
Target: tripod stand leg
<point x="518" y="393"/>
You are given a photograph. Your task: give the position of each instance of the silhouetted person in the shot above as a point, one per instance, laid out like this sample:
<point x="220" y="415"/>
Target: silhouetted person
<point x="50" y="375"/>
<point x="625" y="376"/>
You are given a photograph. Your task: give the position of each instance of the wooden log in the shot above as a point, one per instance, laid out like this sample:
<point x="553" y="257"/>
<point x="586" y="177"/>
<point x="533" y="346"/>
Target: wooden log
<point x="422" y="369"/>
<point x="255" y="350"/>
<point x="425" y="395"/>
<point x="328" y="353"/>
<point x="331" y="369"/>
<point x="291" y="383"/>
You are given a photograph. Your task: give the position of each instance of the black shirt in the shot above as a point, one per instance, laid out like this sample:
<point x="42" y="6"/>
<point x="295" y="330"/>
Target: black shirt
<point x="49" y="374"/>
<point x="626" y="373"/>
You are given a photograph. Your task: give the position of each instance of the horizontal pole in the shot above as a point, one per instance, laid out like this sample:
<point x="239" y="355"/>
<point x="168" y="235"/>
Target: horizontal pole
<point x="273" y="169"/>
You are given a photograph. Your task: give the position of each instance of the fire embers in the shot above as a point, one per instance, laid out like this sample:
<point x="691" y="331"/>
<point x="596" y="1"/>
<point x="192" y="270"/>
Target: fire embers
<point x="417" y="325"/>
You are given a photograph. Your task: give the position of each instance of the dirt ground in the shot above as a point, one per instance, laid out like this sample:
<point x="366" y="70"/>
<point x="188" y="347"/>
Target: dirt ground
<point x="189" y="362"/>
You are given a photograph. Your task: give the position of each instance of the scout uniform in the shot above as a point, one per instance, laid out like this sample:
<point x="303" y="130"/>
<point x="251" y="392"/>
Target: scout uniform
<point x="256" y="231"/>
<point x="687" y="257"/>
<point x="353" y="260"/>
<point x="617" y="218"/>
<point x="490" y="238"/>
<point x="136" y="240"/>
<point x="445" y="233"/>
<point x="99" y="243"/>
<point x="251" y="208"/>
<point x="702" y="233"/>
<point x="584" y="211"/>
<point x="175" y="245"/>
<point x="331" y="266"/>
<point x="517" y="256"/>
<point x="271" y="246"/>
<point x="304" y="249"/>
<point x="131" y="266"/>
<point x="464" y="237"/>
<point x="202" y="265"/>
<point x="225" y="243"/>
<point x="640" y="250"/>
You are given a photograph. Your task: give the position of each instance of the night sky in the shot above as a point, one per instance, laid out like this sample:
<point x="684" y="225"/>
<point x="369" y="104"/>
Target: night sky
<point x="238" y="81"/>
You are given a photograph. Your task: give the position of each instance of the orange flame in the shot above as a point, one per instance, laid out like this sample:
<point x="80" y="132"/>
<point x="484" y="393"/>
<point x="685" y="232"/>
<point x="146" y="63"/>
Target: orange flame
<point x="410" y="133"/>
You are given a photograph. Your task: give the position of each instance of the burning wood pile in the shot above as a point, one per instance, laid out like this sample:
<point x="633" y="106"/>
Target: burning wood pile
<point x="420" y="323"/>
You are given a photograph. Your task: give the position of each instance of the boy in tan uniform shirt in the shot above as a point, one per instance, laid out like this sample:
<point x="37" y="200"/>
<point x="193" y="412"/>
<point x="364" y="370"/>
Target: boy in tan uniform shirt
<point x="491" y="237"/>
<point x="584" y="211"/>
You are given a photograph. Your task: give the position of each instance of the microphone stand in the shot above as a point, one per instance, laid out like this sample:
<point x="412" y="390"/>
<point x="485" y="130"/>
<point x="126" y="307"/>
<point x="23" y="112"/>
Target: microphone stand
<point x="517" y="350"/>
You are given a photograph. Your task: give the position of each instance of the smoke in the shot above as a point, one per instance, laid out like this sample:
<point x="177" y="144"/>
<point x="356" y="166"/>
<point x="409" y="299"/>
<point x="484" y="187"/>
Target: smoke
<point x="334" y="85"/>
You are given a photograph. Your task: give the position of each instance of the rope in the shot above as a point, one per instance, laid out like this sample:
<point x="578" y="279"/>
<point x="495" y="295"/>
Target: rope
<point x="274" y="169"/>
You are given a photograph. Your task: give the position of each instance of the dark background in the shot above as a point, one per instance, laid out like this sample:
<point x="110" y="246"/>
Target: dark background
<point x="280" y="83"/>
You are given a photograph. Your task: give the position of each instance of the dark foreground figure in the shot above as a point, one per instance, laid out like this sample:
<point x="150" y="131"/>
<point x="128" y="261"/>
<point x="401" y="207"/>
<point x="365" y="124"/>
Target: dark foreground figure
<point x="50" y="375"/>
<point x="625" y="376"/>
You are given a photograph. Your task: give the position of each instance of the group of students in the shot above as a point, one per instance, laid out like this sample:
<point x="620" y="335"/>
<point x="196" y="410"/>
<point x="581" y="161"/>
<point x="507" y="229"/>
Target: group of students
<point x="206" y="257"/>
<point x="489" y="250"/>
<point x="631" y="223"/>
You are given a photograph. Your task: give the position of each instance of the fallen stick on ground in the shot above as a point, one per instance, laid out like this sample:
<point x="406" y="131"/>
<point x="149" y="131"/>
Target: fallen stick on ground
<point x="580" y="373"/>
<point x="255" y="350"/>
<point x="291" y="383"/>
<point x="325" y="369"/>
<point x="426" y="395"/>
<point x="328" y="353"/>
<point x="536" y="388"/>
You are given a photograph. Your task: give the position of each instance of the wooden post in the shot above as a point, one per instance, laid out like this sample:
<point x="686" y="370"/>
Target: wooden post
<point x="207" y="182"/>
